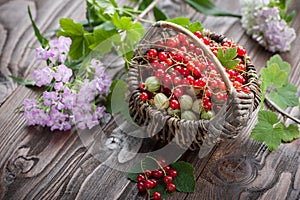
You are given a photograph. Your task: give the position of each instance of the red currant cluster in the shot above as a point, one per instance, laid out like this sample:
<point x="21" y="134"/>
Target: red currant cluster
<point x="178" y="77"/>
<point x="149" y="180"/>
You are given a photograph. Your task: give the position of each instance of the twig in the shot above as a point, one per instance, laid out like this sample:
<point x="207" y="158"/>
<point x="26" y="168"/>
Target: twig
<point x="278" y="109"/>
<point x="148" y="9"/>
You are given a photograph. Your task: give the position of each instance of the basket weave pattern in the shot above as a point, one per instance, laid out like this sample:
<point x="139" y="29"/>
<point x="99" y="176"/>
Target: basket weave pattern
<point x="228" y="122"/>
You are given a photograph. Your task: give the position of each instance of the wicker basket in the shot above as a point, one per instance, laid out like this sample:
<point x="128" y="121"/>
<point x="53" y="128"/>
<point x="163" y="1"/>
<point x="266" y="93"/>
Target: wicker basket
<point x="228" y="122"/>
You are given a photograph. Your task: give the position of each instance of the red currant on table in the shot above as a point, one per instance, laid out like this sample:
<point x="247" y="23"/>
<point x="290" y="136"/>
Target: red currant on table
<point x="148" y="173"/>
<point x="171" y="187"/>
<point x="158" y="173"/>
<point x="168" y="179"/>
<point x="141" y="186"/>
<point x="144" y="96"/>
<point x="141" y="178"/>
<point x="156" y="196"/>
<point x="149" y="184"/>
<point x="172" y="173"/>
<point x="174" y="104"/>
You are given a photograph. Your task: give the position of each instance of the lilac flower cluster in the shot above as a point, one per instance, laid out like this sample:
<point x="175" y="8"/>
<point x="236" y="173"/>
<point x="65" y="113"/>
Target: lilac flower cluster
<point x="71" y="101"/>
<point x="266" y="26"/>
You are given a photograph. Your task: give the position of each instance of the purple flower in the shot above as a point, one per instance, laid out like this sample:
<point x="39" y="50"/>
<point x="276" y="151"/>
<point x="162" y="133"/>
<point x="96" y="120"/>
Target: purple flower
<point x="99" y="112"/>
<point x="60" y="87"/>
<point x="68" y="100"/>
<point x="85" y="120"/>
<point x="41" y="54"/>
<point x="50" y="98"/>
<point x="63" y="73"/>
<point x="30" y="104"/>
<point x="58" y="120"/>
<point x="36" y="116"/>
<point x="43" y="76"/>
<point x="266" y="26"/>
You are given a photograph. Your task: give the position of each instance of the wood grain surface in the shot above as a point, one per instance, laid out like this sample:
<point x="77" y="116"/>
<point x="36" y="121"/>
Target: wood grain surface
<point x="38" y="164"/>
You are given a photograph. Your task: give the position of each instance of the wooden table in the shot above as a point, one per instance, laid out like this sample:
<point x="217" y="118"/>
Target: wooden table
<point x="38" y="164"/>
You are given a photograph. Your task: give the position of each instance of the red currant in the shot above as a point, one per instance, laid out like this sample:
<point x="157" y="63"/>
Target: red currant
<point x="149" y="184"/>
<point x="237" y="85"/>
<point x="199" y="83"/>
<point x="152" y="53"/>
<point x="184" y="71"/>
<point x="177" y="80"/>
<point x="169" y="61"/>
<point x="241" y="67"/>
<point x="231" y="73"/>
<point x="208" y="92"/>
<point x="206" y="40"/>
<point x="158" y="173"/>
<point x="160" y="73"/>
<point x="168" y="179"/>
<point x="171" y="187"/>
<point x="174" y="104"/>
<point x="162" y="56"/>
<point x="246" y="89"/>
<point x="141" y="178"/>
<point x="156" y="196"/>
<point x="179" y="56"/>
<point x="192" y="47"/>
<point x="190" y="79"/>
<point x="154" y="181"/>
<point x="172" y="42"/>
<point x="167" y="80"/>
<point x="148" y="173"/>
<point x="167" y="168"/>
<point x="241" y="51"/>
<point x="207" y="106"/>
<point x="190" y="66"/>
<point x="141" y="186"/>
<point x="144" y="96"/>
<point x="178" y="92"/>
<point x="198" y="34"/>
<point x="142" y="86"/>
<point x="172" y="172"/>
<point x="240" y="79"/>
<point x="220" y="96"/>
<point x="155" y="64"/>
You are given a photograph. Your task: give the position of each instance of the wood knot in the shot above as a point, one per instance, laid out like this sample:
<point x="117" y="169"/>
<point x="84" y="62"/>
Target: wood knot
<point x="235" y="170"/>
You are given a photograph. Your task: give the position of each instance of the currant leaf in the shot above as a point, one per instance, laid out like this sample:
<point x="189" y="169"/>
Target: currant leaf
<point x="285" y="96"/>
<point x="276" y="59"/>
<point x="272" y="132"/>
<point x="182" y="21"/>
<point x="159" y="14"/>
<point x="185" y="180"/>
<point x="196" y="26"/>
<point x="227" y="58"/>
<point x="273" y="75"/>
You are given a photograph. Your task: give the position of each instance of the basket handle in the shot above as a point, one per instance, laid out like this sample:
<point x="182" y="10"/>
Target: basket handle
<point x="207" y="51"/>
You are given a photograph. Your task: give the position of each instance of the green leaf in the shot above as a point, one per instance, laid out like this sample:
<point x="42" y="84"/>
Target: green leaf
<point x="104" y="40"/>
<point x="269" y="131"/>
<point x="23" y="81"/>
<point x="290" y="17"/>
<point x="70" y="27"/>
<point x="227" y="58"/>
<point x="196" y="26"/>
<point x="123" y="23"/>
<point x="43" y="41"/>
<point x="182" y="21"/>
<point x="283" y="66"/>
<point x="185" y="180"/>
<point x="285" y="96"/>
<point x="109" y="6"/>
<point x="208" y="8"/>
<point x="159" y="14"/>
<point x="273" y="75"/>
<point x="161" y="188"/>
<point x="144" y="4"/>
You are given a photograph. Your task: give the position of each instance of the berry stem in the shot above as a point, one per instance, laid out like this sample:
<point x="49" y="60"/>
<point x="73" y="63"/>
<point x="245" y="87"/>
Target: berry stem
<point x="161" y="167"/>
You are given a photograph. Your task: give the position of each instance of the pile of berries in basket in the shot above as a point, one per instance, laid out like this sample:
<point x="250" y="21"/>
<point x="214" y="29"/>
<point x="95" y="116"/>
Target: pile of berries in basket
<point x="182" y="81"/>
